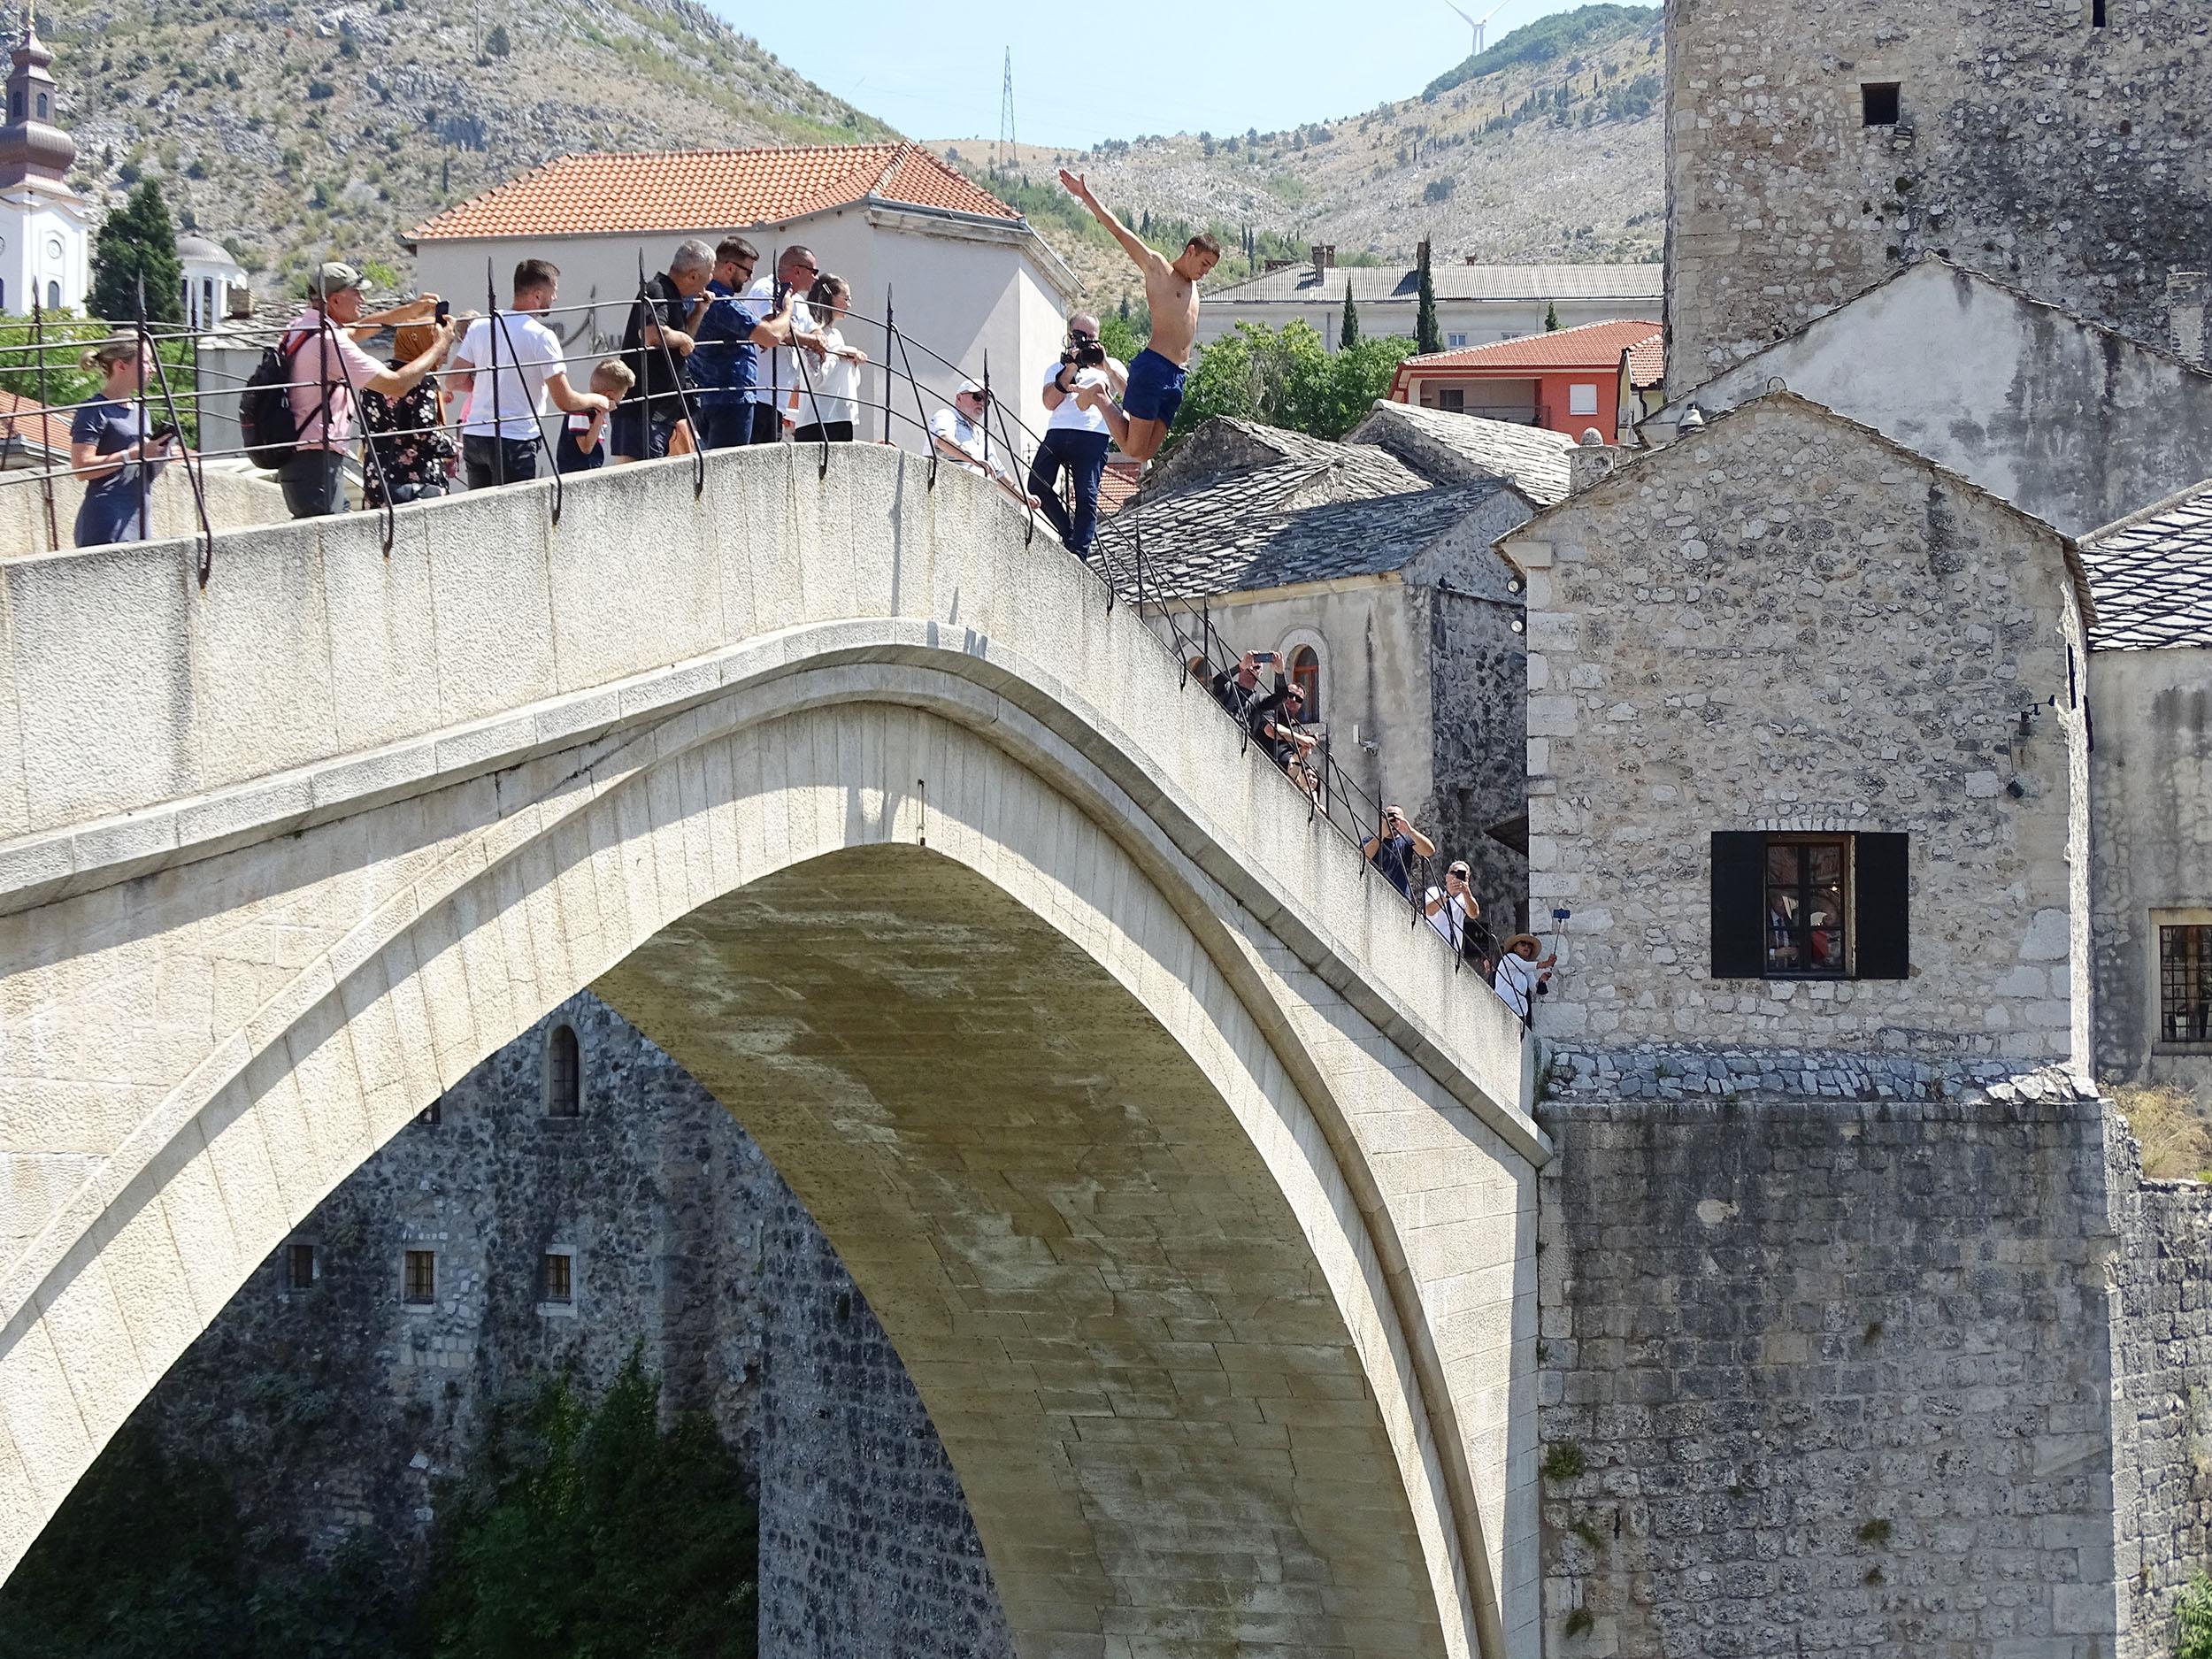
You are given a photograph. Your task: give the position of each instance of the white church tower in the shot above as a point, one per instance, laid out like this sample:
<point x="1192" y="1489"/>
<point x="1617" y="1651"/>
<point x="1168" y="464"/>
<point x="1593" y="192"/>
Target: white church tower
<point x="45" y="227"/>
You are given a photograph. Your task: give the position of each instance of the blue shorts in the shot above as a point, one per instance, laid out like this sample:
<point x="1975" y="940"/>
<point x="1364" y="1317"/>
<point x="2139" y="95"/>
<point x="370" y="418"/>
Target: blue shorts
<point x="1155" y="388"/>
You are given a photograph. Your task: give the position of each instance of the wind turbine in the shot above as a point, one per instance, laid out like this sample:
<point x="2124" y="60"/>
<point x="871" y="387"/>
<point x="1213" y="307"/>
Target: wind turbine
<point x="1481" y="23"/>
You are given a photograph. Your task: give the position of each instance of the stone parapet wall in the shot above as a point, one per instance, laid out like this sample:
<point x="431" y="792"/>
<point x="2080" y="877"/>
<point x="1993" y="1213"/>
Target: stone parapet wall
<point x="1828" y="1378"/>
<point x="1685" y="1070"/>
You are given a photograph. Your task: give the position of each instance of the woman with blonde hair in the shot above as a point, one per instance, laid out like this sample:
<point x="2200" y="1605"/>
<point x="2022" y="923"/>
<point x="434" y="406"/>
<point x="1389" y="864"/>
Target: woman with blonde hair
<point x="110" y="446"/>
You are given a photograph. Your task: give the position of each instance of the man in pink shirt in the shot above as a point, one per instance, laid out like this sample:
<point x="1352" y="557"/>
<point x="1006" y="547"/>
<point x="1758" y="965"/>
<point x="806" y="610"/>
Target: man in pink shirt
<point x="329" y="370"/>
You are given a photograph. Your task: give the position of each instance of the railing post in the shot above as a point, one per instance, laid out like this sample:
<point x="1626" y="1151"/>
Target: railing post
<point x="46" y="472"/>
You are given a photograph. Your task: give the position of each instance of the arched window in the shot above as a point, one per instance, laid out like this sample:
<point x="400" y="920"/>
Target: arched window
<point x="53" y="296"/>
<point x="41" y="106"/>
<point x="15" y="105"/>
<point x="1305" y="673"/>
<point x="3" y="296"/>
<point x="564" y="1074"/>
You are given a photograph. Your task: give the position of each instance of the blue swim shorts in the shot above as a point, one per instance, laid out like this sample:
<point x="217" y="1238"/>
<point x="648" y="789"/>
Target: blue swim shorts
<point x="1155" y="388"/>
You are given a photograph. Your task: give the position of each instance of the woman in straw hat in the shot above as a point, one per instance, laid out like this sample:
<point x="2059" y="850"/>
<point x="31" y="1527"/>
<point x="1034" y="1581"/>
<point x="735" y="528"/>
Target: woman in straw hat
<point x="1521" y="972"/>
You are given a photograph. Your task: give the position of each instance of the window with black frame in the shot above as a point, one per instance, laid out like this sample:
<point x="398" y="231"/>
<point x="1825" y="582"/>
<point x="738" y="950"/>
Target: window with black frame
<point x="2184" y="983"/>
<point x="1808" y="905"/>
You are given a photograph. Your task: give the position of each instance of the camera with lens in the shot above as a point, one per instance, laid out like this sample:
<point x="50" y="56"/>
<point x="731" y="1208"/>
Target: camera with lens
<point x="1084" y="352"/>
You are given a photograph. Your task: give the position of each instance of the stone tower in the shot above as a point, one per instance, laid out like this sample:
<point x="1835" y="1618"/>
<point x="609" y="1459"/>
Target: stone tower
<point x="1815" y="147"/>
<point x="45" y="227"/>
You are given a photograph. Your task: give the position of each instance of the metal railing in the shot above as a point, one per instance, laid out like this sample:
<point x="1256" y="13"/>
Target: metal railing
<point x="1180" y="622"/>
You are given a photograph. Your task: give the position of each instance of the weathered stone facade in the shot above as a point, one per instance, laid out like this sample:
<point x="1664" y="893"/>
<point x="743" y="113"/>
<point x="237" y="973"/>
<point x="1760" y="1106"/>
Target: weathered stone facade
<point x="340" y="1406"/>
<point x="1831" y="1379"/>
<point x="2068" y="159"/>
<point x="1784" y="623"/>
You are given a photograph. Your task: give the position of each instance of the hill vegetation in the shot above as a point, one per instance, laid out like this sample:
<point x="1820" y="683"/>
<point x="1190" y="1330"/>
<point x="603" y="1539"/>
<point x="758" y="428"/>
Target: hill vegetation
<point x="1546" y="40"/>
<point x="292" y="130"/>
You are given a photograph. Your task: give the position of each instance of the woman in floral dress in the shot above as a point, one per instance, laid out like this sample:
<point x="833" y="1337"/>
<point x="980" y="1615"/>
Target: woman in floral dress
<point x="409" y="435"/>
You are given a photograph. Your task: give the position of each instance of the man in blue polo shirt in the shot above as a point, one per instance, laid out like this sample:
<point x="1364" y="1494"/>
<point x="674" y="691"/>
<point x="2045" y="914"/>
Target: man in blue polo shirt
<point x="731" y="329"/>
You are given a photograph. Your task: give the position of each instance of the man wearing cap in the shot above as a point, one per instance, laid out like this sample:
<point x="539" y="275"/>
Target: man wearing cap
<point x="1455" y="913"/>
<point x="329" y="372"/>
<point x="1389" y="847"/>
<point x="960" y="437"/>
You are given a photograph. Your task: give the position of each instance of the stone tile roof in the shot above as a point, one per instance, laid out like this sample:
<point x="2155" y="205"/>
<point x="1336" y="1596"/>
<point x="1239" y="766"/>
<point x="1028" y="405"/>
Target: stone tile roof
<point x="1589" y="346"/>
<point x="1448" y="448"/>
<point x="2150" y="576"/>
<point x="686" y="189"/>
<point x="1634" y="285"/>
<point x="1242" y="506"/>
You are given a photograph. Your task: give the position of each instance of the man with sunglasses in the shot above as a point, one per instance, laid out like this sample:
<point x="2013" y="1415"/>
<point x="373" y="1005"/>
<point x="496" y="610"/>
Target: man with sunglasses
<point x="731" y="332"/>
<point x="1455" y="913"/>
<point x="774" y="396"/>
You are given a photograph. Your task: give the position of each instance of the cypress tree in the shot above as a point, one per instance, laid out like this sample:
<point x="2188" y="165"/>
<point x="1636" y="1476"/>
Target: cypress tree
<point x="1347" y="334"/>
<point x="138" y="239"/>
<point x="1551" y="317"/>
<point x="1425" y="335"/>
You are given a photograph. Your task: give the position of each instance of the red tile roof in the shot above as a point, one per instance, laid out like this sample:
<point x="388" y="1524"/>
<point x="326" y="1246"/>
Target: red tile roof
<point x="698" y="190"/>
<point x="1119" y="485"/>
<point x="34" y="424"/>
<point x="1590" y="346"/>
<point x="1647" y="360"/>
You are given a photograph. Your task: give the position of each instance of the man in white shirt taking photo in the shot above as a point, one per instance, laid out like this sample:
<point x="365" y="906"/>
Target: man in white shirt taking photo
<point x="1076" y="439"/>
<point x="519" y="362"/>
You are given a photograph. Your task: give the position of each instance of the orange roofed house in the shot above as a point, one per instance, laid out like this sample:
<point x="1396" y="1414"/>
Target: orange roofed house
<point x="968" y="273"/>
<point x="1568" y="381"/>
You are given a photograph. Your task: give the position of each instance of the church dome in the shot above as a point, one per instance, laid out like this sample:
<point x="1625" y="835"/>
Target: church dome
<point x="31" y="146"/>
<point x="201" y="251"/>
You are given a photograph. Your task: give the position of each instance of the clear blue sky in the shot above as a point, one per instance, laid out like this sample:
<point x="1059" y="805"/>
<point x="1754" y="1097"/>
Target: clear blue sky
<point x="933" y="70"/>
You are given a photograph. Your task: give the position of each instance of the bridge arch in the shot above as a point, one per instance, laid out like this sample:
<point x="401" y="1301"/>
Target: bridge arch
<point x="695" y="827"/>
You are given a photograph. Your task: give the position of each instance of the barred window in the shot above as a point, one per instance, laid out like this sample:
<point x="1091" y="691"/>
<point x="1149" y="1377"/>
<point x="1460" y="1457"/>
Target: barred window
<point x="299" y="1267"/>
<point x="420" y="1285"/>
<point x="564" y="1074"/>
<point x="2185" y="982"/>
<point x="556" y="1282"/>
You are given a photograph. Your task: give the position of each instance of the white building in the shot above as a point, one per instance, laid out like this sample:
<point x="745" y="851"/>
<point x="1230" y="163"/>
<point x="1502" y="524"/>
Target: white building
<point x="45" y="227"/>
<point x="1476" y="305"/>
<point x="214" y="284"/>
<point x="965" y="273"/>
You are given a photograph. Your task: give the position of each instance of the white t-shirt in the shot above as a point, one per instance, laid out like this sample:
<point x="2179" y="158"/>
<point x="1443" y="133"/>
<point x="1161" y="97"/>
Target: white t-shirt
<point x="779" y="382"/>
<point x="836" y="386"/>
<point x="963" y="434"/>
<point x="1072" y="416"/>
<point x="1516" y="981"/>
<point x="1449" y="918"/>
<point x="528" y="354"/>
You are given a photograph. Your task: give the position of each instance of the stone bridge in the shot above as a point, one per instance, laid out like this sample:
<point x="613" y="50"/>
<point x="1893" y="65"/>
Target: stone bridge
<point x="1196" y="1191"/>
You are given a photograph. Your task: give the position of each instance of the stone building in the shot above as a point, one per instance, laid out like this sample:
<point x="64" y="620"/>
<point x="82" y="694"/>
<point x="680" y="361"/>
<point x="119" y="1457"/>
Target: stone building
<point x="1375" y="582"/>
<point x="576" y="1193"/>
<point x="1793" y="760"/>
<point x="1816" y="146"/>
<point x="2149" y="675"/>
<point x="2061" y="417"/>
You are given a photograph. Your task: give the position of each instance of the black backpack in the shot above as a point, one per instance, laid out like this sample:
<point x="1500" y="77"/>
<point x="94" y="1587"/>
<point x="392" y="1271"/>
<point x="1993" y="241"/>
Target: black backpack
<point x="266" y="420"/>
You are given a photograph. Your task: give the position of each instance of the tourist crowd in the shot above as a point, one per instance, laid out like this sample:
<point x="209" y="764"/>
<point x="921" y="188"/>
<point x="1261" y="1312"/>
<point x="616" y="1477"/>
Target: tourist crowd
<point x="1516" y="967"/>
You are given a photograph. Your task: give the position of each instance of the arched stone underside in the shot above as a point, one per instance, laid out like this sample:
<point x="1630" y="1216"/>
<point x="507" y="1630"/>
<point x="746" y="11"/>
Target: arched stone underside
<point x="1231" y="1160"/>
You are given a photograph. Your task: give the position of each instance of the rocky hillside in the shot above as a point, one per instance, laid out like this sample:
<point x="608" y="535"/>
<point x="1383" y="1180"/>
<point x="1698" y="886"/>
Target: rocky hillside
<point x="1549" y="147"/>
<point x="295" y="132"/>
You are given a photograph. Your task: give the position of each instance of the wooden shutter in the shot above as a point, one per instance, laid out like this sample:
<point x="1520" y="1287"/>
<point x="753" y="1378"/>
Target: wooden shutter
<point x="1882" y="888"/>
<point x="1739" y="858"/>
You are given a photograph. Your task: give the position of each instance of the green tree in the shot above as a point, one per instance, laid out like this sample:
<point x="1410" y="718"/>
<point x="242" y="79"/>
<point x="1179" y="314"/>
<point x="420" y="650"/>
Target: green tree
<point x="1286" y="377"/>
<point x="138" y="241"/>
<point x="1551" y="318"/>
<point x="1425" y="335"/>
<point x="1347" y="331"/>
<point x="2192" y="1618"/>
<point x="1119" y="334"/>
<point x="594" y="1535"/>
<point x="496" y="44"/>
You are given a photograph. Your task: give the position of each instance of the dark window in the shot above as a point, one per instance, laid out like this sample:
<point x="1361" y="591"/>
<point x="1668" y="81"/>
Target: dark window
<point x="555" y="1283"/>
<point x="1453" y="400"/>
<point x="41" y="106"/>
<point x="2096" y="14"/>
<point x="432" y="1115"/>
<point x="299" y="1267"/>
<point x="564" y="1074"/>
<point x="1879" y="103"/>
<point x="422" y="1285"/>
<point x="53" y="296"/>
<point x="15" y="106"/>
<point x="2185" y="984"/>
<point x="1305" y="673"/>
<point x="1800" y="906"/>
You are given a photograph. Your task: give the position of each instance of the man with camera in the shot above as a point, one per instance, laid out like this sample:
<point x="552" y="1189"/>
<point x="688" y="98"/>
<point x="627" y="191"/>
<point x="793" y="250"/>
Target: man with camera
<point x="1455" y="913"/>
<point x="1390" y="848"/>
<point x="1076" y="438"/>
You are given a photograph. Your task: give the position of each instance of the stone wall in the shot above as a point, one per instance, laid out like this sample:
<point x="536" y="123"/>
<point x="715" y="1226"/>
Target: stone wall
<point x="340" y="1407"/>
<point x="1784" y="622"/>
<point x="1478" y="680"/>
<point x="1827" y="1378"/>
<point x="2151" y="833"/>
<point x="2068" y="159"/>
<point x="2163" y="1356"/>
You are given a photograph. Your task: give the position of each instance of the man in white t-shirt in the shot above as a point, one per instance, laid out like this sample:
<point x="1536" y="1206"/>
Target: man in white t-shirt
<point x="778" y="380"/>
<point x="507" y="365"/>
<point x="1076" y="438"/>
<point x="958" y="434"/>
